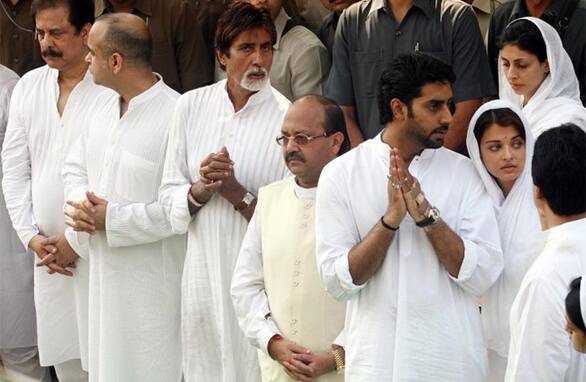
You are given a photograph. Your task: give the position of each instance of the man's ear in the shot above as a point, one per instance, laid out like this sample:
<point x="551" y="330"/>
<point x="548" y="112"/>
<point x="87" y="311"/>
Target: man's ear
<point x="221" y="57"/>
<point x="117" y="61"/>
<point x="338" y="139"/>
<point x="399" y="110"/>
<point x="85" y="32"/>
<point x="539" y="199"/>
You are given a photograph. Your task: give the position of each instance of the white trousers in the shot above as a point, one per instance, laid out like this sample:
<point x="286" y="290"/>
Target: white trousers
<point x="71" y="371"/>
<point x="22" y="364"/>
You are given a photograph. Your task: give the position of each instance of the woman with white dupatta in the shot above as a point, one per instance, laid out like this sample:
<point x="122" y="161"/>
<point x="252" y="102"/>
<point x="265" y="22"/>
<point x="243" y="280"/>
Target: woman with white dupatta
<point x="536" y="74"/>
<point x="501" y="147"/>
<point x="576" y="313"/>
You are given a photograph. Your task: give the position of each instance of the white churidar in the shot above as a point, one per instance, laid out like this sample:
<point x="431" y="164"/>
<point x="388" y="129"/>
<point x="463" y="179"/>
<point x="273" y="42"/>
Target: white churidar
<point x="520" y="233"/>
<point x="411" y="321"/>
<point x="17" y="306"/>
<point x="557" y="100"/>
<point x="214" y="348"/>
<point x="276" y="275"/>
<point x="540" y="349"/>
<point x="136" y="263"/>
<point x="37" y="141"/>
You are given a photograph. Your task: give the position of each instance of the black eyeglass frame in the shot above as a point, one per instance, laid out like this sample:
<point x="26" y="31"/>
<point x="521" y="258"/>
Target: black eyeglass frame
<point x="283" y="140"/>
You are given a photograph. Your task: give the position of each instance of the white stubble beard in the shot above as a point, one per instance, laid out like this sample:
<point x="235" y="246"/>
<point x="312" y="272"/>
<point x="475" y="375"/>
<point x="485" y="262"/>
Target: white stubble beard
<point x="254" y="85"/>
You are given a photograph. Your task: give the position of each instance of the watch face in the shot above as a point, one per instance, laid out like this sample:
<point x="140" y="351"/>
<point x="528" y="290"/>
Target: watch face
<point x="248" y="198"/>
<point x="434" y="213"/>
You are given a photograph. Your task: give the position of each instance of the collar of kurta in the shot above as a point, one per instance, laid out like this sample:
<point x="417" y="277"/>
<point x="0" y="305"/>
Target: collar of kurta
<point x="256" y="99"/>
<point x="383" y="151"/>
<point x="147" y="94"/>
<point x="280" y="23"/>
<point x="140" y="6"/>
<point x="554" y="11"/>
<point x="566" y="232"/>
<point x="424" y="5"/>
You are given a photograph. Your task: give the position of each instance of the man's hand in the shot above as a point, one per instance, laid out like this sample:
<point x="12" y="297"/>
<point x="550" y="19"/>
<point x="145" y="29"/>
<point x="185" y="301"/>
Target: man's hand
<point x="60" y="252"/>
<point x="44" y="251"/>
<point x="307" y="367"/>
<point x="397" y="209"/>
<point x="414" y="199"/>
<point x="282" y="350"/>
<point x="217" y="173"/>
<point x="88" y="215"/>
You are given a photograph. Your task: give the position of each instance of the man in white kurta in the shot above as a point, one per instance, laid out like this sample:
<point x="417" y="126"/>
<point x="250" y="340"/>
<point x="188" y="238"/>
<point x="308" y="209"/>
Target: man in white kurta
<point x="411" y="273"/>
<point x="540" y="349"/>
<point x="281" y="305"/>
<point x="48" y="112"/>
<point x="18" y="337"/>
<point x="136" y="261"/>
<point x="231" y="128"/>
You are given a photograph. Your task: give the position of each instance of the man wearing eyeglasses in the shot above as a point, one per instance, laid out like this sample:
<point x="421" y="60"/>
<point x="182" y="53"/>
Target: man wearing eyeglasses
<point x="281" y="305"/>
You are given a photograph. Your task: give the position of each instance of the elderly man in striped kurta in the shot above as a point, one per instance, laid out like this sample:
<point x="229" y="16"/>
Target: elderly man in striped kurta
<point x="280" y="302"/>
<point x="221" y="151"/>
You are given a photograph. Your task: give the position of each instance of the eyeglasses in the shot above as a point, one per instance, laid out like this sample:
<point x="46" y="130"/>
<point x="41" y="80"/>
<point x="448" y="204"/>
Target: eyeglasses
<point x="299" y="139"/>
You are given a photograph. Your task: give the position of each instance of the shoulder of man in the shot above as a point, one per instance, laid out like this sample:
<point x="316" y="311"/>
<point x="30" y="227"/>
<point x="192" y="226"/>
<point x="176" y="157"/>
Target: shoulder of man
<point x="275" y="187"/>
<point x="302" y="35"/>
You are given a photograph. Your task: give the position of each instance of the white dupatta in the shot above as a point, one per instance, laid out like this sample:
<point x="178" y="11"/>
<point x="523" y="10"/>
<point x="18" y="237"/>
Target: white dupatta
<point x="519" y="229"/>
<point x="557" y="100"/>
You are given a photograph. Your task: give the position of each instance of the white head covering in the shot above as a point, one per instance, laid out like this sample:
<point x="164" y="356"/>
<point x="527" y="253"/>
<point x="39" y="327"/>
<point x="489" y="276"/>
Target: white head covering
<point x="519" y="228"/>
<point x="557" y="100"/>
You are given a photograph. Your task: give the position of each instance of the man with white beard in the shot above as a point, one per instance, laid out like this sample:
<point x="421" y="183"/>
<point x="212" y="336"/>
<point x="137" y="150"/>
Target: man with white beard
<point x="48" y="111"/>
<point x="221" y="151"/>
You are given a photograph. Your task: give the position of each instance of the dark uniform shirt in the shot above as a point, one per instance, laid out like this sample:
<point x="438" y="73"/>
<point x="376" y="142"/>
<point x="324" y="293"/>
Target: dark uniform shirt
<point x="19" y="50"/>
<point x="327" y="31"/>
<point x="368" y="38"/>
<point x="573" y="32"/>
<point x="179" y="52"/>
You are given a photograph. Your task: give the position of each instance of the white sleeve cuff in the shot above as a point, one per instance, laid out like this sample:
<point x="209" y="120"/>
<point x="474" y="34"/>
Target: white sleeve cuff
<point x="179" y="214"/>
<point x="469" y="264"/>
<point x="344" y="277"/>
<point x="266" y="334"/>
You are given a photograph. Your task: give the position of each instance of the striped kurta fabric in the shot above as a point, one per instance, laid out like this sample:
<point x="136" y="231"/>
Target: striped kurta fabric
<point x="214" y="348"/>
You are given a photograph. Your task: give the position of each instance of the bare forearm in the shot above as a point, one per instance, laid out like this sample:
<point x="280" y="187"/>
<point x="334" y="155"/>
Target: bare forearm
<point x="448" y="246"/>
<point x="367" y="256"/>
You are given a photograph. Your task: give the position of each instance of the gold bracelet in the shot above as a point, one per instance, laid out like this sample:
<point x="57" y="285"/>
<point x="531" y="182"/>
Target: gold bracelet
<point x="338" y="359"/>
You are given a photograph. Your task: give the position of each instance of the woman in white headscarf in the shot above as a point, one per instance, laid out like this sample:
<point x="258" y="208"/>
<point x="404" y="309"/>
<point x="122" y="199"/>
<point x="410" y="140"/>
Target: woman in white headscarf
<point x="576" y="313"/>
<point x="501" y="147"/>
<point x="536" y="74"/>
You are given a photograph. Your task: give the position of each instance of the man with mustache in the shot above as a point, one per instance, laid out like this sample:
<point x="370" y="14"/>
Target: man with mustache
<point x="221" y="151"/>
<point x="407" y="235"/>
<point x="279" y="300"/>
<point x="48" y="112"/>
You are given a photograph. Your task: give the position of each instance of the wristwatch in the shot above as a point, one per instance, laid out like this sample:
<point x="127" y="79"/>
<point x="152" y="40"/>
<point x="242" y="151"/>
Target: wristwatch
<point x="246" y="201"/>
<point x="431" y="217"/>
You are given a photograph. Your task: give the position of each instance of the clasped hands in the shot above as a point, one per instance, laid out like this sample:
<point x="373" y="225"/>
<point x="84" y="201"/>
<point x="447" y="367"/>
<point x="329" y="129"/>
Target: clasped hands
<point x="55" y="253"/>
<point x="404" y="192"/>
<point x="300" y="363"/>
<point x="216" y="175"/>
<point x="88" y="215"/>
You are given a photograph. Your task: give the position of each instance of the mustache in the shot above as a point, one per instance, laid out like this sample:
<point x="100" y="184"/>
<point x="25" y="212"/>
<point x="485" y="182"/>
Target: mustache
<point x="440" y="129"/>
<point x="256" y="70"/>
<point x="51" y="53"/>
<point x="294" y="155"/>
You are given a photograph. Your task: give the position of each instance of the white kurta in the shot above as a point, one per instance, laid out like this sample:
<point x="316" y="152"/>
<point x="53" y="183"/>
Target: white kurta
<point x="17" y="312"/>
<point x="214" y="348"/>
<point x="557" y="100"/>
<point x="37" y="141"/>
<point x="136" y="263"/>
<point x="411" y="321"/>
<point x="540" y="349"/>
<point x="521" y="241"/>
<point x="276" y="286"/>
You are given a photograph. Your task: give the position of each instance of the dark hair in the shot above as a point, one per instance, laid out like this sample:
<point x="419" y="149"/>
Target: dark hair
<point x="404" y="77"/>
<point x="559" y="169"/>
<point x="334" y="119"/>
<point x="239" y="17"/>
<point x="134" y="45"/>
<point x="526" y="36"/>
<point x="573" y="308"/>
<point x="502" y="117"/>
<point x="81" y="12"/>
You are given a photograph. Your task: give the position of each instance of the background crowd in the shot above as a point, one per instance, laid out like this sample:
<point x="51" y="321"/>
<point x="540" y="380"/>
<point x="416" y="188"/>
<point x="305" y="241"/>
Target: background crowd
<point x="151" y="229"/>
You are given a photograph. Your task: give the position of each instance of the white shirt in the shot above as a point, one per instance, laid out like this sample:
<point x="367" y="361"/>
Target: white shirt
<point x="214" y="348"/>
<point x="540" y="348"/>
<point x="17" y="312"/>
<point x="136" y="263"/>
<point x="411" y="321"/>
<point x="37" y="141"/>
